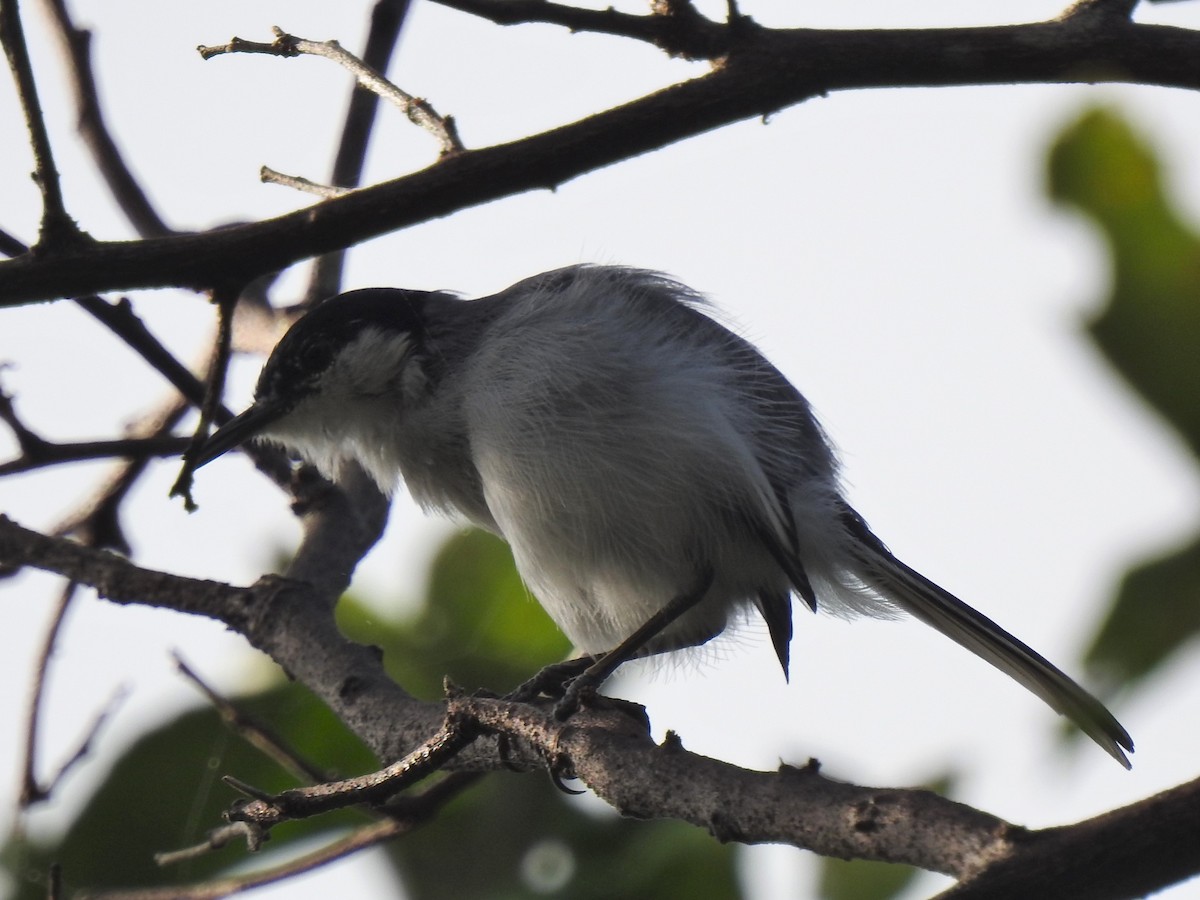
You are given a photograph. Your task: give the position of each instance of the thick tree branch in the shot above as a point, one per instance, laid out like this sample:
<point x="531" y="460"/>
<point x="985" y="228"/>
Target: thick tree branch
<point x="1130" y="852"/>
<point x="769" y="71"/>
<point x="614" y="755"/>
<point x="290" y="621"/>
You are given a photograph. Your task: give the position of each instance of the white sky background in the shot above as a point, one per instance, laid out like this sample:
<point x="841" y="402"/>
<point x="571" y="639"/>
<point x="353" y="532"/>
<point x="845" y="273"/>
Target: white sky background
<point x="889" y="250"/>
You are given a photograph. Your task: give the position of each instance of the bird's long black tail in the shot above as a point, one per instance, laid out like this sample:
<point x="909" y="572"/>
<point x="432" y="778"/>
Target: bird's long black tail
<point x="920" y="597"/>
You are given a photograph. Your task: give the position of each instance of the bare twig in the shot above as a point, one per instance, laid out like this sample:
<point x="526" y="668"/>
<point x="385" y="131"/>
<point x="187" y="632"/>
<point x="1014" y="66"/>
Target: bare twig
<point x="418" y="111"/>
<point x="374" y="788"/>
<point x="58" y="230"/>
<point x="387" y="20"/>
<point x="255" y="732"/>
<point x="53" y="453"/>
<point x="269" y="176"/>
<point x="121" y="181"/>
<point x="1100" y="11"/>
<point x="29" y="443"/>
<point x="98" y="521"/>
<point x="674" y="26"/>
<point x="217" y="839"/>
<point x="225" y="297"/>
<point x="361" y="839"/>
<point x="32" y="790"/>
<point x="11" y="246"/>
<point x="89" y="738"/>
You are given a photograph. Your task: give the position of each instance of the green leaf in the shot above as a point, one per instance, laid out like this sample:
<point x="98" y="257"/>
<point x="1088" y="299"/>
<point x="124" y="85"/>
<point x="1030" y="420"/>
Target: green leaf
<point x="1150" y="327"/>
<point x="165" y="793"/>
<point x="1157" y="611"/>
<point x="1149" y="330"/>
<point x="525" y="839"/>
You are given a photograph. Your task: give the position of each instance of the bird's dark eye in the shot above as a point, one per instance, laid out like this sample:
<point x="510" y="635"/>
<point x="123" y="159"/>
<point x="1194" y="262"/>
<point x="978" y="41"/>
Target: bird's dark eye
<point x="313" y="358"/>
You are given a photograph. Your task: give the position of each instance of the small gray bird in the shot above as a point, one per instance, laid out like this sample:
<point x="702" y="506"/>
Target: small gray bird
<point x="653" y="473"/>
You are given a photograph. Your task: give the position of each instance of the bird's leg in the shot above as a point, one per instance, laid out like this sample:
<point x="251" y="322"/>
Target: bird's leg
<point x="551" y="680"/>
<point x="587" y="681"/>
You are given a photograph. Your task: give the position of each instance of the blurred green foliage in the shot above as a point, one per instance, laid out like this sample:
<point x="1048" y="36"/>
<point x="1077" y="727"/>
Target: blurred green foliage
<point x="1149" y="330"/>
<point x="507" y="837"/>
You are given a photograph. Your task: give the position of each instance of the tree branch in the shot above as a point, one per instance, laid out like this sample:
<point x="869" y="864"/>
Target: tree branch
<point x="675" y="28"/>
<point x="1129" y="852"/>
<point x="418" y="111"/>
<point x="58" y="229"/>
<point x="387" y="21"/>
<point x="122" y="183"/>
<point x="771" y="69"/>
<point x="360" y="839"/>
<point x="614" y="755"/>
<point x="267" y="175"/>
<point x="49" y="453"/>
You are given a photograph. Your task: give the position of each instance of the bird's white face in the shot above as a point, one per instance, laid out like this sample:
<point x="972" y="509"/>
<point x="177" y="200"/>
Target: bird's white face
<point x="337" y="387"/>
<point x="351" y="409"/>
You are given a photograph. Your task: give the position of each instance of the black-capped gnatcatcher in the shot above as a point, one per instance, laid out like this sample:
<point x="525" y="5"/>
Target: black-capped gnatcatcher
<point x="653" y="473"/>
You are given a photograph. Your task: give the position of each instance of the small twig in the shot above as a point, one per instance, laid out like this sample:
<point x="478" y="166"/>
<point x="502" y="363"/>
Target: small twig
<point x="1101" y="11"/>
<point x="120" y="319"/>
<point x="85" y="746"/>
<point x="387" y="21"/>
<point x="269" y="176"/>
<point x="121" y="181"/>
<point x="418" y="111"/>
<point x="682" y="8"/>
<point x="246" y="789"/>
<point x="376" y="787"/>
<point x="97" y="523"/>
<point x="11" y="246"/>
<point x="30" y="444"/>
<point x="252" y="730"/>
<point x="58" y="230"/>
<point x="225" y="297"/>
<point x="217" y="839"/>
<point x="52" y="453"/>
<point x="361" y="839"/>
<point x="674" y="26"/>
<point x="33" y="791"/>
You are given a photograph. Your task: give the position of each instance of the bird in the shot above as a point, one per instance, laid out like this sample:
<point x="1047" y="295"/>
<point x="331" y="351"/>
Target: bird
<point x="655" y="476"/>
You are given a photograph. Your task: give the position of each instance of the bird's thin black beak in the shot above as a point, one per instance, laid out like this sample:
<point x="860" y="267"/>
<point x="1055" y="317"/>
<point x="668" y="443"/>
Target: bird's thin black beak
<point x="236" y="431"/>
